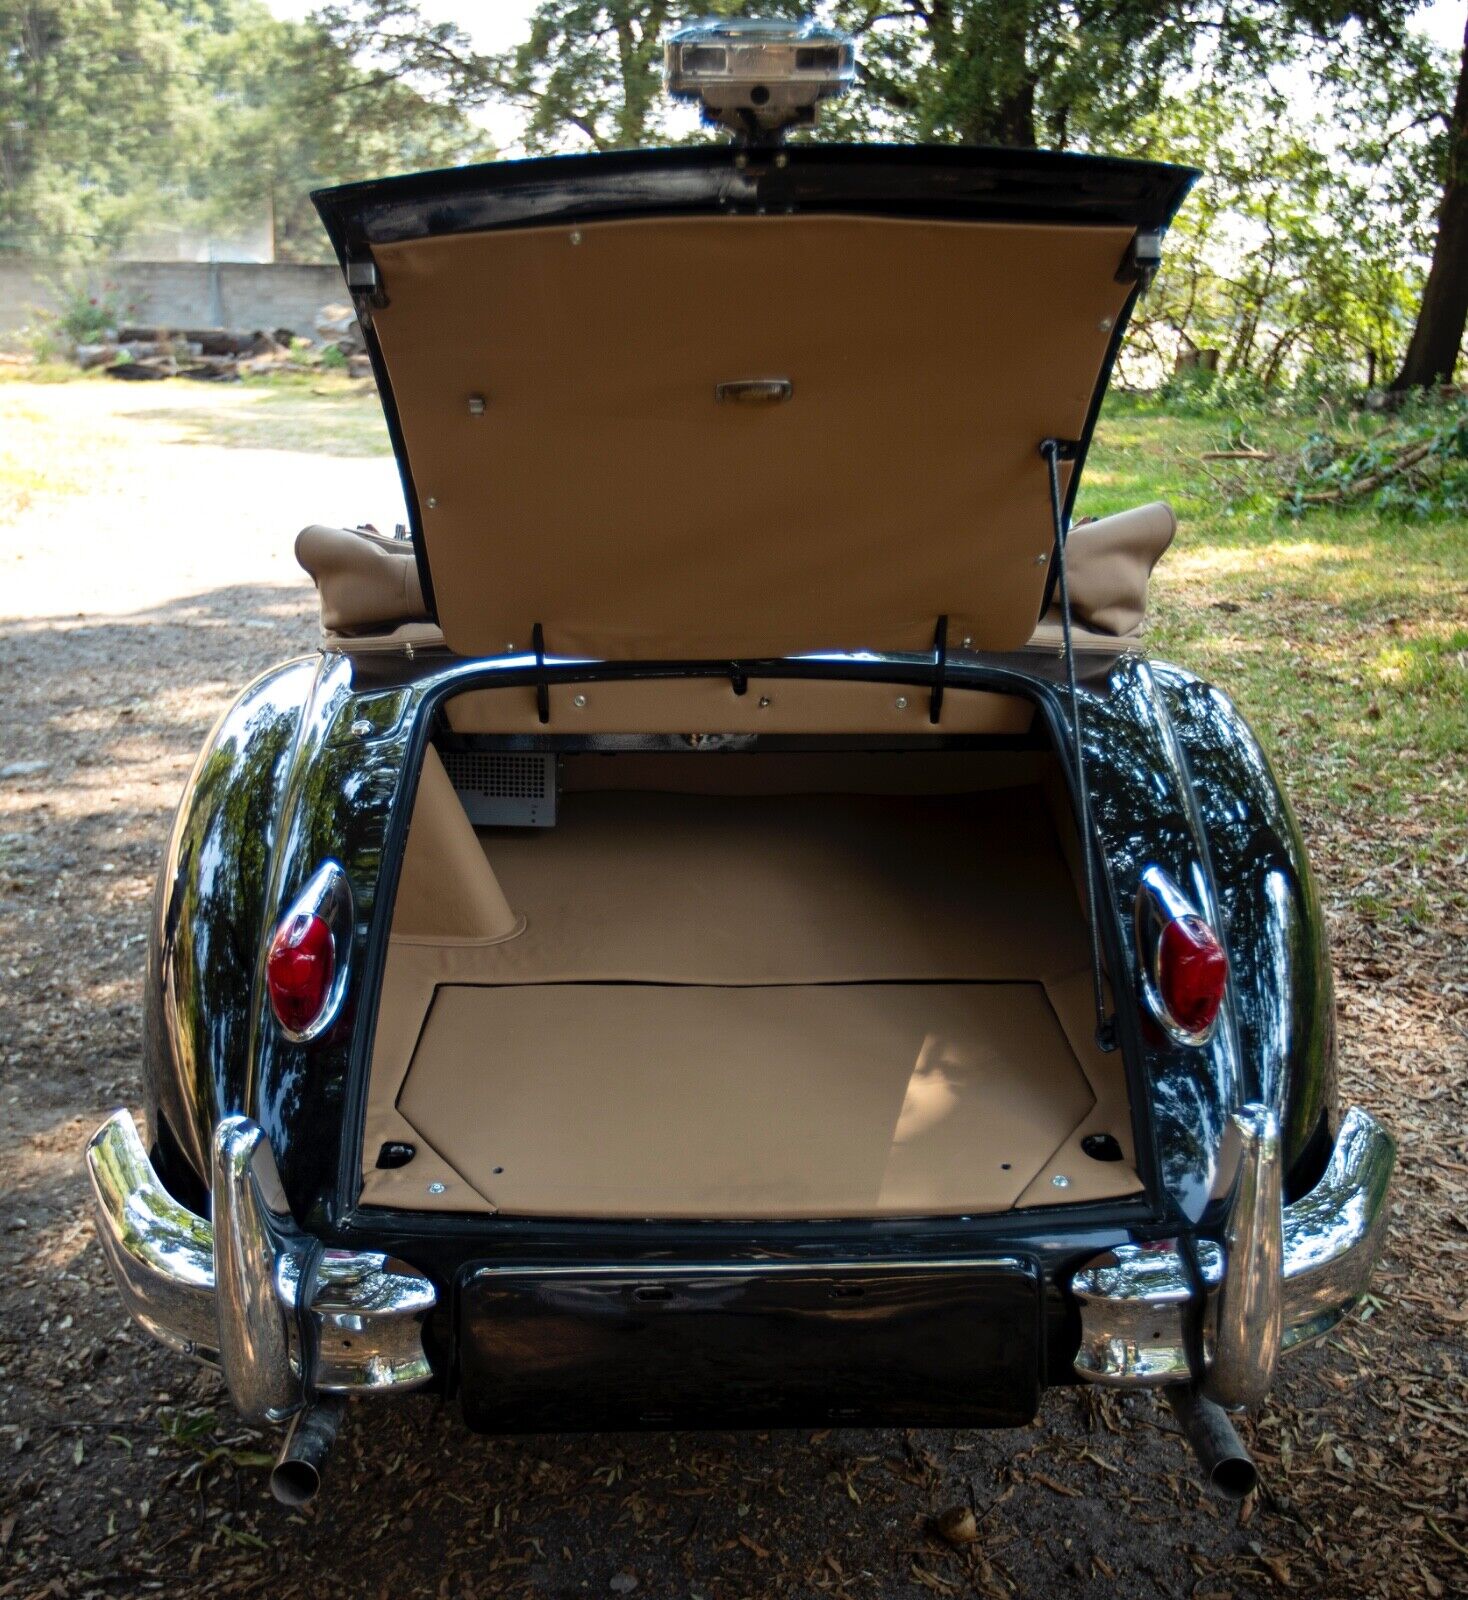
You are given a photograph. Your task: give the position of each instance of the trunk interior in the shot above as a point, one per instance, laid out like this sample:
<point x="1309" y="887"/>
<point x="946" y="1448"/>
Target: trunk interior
<point x="806" y="983"/>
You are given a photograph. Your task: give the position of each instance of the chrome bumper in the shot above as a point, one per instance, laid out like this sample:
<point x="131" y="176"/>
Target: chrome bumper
<point x="285" y="1319"/>
<point x="1283" y="1276"/>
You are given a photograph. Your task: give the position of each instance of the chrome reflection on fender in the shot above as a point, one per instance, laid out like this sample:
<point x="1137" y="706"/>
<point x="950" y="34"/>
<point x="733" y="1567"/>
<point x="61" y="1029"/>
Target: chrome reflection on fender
<point x="250" y="1292"/>
<point x="1137" y="1302"/>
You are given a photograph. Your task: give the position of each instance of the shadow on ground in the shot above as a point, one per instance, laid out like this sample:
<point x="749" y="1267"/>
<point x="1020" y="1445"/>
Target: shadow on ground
<point x="124" y="1468"/>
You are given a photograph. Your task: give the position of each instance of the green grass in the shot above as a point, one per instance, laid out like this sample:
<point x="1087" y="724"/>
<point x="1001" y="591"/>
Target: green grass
<point x="1342" y="636"/>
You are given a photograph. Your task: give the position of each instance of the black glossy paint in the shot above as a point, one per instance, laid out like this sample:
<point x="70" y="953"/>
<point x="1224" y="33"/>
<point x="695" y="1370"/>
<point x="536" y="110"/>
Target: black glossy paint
<point x="208" y="910"/>
<point x="1283" y="1000"/>
<point x="320" y="759"/>
<point x="962" y="182"/>
<point x="925" y="1344"/>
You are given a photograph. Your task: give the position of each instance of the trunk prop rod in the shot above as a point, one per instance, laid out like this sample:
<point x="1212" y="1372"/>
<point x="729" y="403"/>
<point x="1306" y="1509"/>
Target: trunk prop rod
<point x="1054" y="452"/>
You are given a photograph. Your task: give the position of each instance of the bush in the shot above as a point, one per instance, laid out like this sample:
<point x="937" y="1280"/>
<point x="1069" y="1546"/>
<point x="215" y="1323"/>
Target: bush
<point x="1196" y="392"/>
<point x="84" y="315"/>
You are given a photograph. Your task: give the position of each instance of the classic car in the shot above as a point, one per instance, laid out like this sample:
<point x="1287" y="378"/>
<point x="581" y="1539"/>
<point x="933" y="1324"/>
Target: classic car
<point x="731" y="928"/>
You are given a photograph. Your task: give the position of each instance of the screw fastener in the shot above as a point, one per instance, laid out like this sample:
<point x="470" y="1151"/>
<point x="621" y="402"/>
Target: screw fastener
<point x="579" y="701"/>
<point x="1060" y="1181"/>
<point x="431" y="503"/>
<point x="435" y="1187"/>
<point x="361" y="728"/>
<point x="901" y="702"/>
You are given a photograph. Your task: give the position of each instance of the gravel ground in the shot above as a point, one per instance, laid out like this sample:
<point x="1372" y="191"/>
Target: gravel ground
<point x="149" y="595"/>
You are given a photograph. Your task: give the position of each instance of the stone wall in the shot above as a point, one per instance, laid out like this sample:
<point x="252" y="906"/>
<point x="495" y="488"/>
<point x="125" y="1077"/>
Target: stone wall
<point x="241" y="296"/>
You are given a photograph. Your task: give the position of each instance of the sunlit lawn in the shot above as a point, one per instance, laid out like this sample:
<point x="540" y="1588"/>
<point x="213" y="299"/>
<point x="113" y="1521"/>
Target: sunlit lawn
<point x="1342" y="635"/>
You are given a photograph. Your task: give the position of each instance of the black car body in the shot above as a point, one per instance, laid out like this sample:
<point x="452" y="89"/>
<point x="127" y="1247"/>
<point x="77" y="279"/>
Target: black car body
<point x="1253" y="1205"/>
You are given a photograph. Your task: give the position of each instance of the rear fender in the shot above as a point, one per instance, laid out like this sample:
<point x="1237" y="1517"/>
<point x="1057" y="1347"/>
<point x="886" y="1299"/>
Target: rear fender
<point x="207" y="911"/>
<point x="303" y="768"/>
<point x="1283" y="997"/>
<point x="1143" y="810"/>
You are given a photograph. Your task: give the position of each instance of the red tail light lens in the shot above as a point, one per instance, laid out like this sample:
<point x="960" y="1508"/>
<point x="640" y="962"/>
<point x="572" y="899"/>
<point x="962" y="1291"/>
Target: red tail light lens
<point x="299" y="970"/>
<point x="1192" y="973"/>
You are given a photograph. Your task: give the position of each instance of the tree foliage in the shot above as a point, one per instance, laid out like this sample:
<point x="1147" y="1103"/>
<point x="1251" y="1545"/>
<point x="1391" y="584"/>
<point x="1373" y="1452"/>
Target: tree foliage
<point x="115" y="114"/>
<point x="1331" y="142"/>
<point x="1298" y="258"/>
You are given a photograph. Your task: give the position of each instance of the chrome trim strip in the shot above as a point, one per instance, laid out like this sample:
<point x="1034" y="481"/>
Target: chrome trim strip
<point x="659" y="1271"/>
<point x="251" y="1292"/>
<point x="1248" y="1322"/>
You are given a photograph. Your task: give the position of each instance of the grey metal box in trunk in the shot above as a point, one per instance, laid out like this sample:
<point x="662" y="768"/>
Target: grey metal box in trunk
<point x="504" y="788"/>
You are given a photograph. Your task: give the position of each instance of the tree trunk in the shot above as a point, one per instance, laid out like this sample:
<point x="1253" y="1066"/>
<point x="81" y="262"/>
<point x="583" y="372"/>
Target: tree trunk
<point x="1438" y="336"/>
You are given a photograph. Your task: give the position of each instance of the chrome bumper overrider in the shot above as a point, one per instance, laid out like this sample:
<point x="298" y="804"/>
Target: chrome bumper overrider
<point x="285" y="1319"/>
<point x="1283" y="1276"/>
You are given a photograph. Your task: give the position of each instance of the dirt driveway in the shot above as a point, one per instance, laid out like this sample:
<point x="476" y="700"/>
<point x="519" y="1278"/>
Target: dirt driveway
<point x="144" y="577"/>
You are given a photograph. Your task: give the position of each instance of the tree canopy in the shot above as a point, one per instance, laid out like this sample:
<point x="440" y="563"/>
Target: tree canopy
<point x="115" y="114"/>
<point x="1333" y="137"/>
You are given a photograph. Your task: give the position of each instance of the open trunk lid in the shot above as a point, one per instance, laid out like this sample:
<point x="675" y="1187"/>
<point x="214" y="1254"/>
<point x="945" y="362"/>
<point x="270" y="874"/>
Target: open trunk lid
<point x="694" y="404"/>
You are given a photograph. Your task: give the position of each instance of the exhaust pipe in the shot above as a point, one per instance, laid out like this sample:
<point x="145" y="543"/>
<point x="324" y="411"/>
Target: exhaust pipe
<point x="296" y="1476"/>
<point x="1226" y="1464"/>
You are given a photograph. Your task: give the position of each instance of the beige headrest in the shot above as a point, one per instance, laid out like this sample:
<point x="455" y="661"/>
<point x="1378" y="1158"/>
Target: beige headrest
<point x="1108" y="563"/>
<point x="367" y="584"/>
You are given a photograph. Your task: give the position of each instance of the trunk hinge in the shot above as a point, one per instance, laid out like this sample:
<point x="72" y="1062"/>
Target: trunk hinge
<point x="940" y="669"/>
<point x="1142" y="259"/>
<point x="1054" y="452"/>
<point x="542" y="687"/>
<point x="364" y="285"/>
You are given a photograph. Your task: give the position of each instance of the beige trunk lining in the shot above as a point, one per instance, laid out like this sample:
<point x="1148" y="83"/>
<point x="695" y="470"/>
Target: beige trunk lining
<point x="557" y="394"/>
<point x="798" y="1101"/>
<point x="750" y="1005"/>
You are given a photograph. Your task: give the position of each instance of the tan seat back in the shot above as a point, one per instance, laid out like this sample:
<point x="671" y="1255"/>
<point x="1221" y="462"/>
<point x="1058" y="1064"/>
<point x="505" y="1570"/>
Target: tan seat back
<point x="1108" y="565"/>
<point x="367" y="584"/>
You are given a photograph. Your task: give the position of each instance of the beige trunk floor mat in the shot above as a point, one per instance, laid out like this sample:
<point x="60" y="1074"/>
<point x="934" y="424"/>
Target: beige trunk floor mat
<point x="799" y="888"/>
<point x="636" y="1100"/>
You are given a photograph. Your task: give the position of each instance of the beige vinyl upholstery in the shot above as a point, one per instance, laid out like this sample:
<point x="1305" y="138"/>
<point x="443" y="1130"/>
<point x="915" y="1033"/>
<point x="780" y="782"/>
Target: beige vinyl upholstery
<point x="370" y="597"/>
<point x="557" y="390"/>
<point x="785" y="1101"/>
<point x="710" y="705"/>
<point x="1109" y="563"/>
<point x="366" y="584"/>
<point x="768" y="1001"/>
<point x="445" y="897"/>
